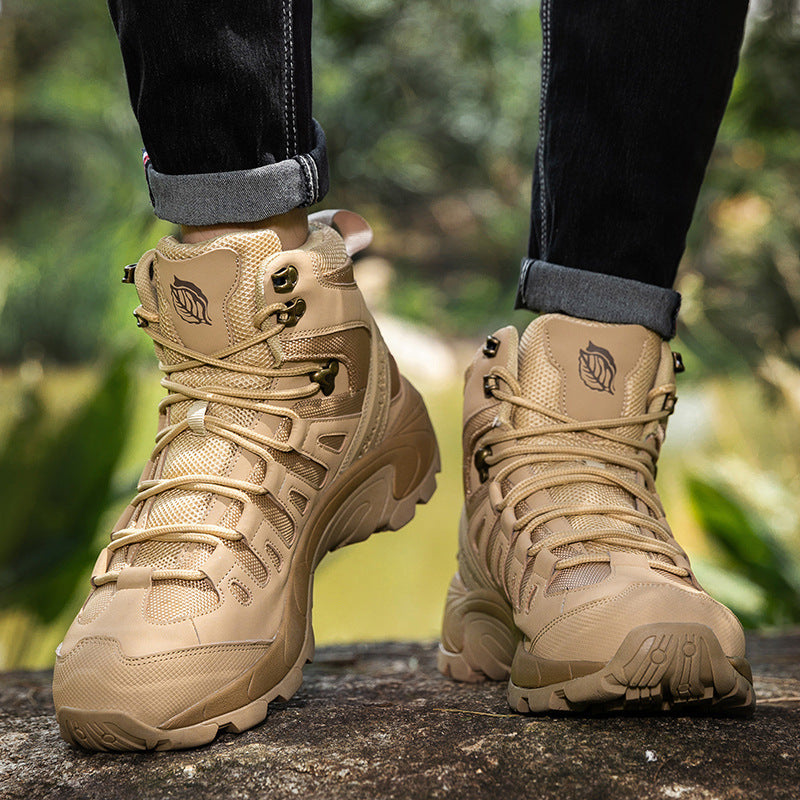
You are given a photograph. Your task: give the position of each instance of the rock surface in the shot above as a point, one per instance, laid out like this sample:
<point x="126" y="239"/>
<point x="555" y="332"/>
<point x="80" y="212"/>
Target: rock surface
<point x="378" y="721"/>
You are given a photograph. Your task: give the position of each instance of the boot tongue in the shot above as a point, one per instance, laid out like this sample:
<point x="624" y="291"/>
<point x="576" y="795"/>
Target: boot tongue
<point x="209" y="292"/>
<point x="587" y="370"/>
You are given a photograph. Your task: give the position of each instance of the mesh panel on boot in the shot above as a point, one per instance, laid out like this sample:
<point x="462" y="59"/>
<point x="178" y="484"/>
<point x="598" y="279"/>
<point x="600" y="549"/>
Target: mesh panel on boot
<point x="335" y="406"/>
<point x="311" y="471"/>
<point x="332" y="441"/>
<point x="240" y="593"/>
<point x="538" y="378"/>
<point x="583" y="575"/>
<point x="542" y="381"/>
<point x="164" y="555"/>
<point x="213" y="455"/>
<point x="245" y="417"/>
<point x="274" y="556"/>
<point x="232" y="515"/>
<point x="98" y="602"/>
<point x="351" y="347"/>
<point x="299" y="501"/>
<point x="249" y="561"/>
<point x="175" y="599"/>
<point x="279" y="519"/>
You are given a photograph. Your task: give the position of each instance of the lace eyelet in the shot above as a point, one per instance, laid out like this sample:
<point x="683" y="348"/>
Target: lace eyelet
<point x="491" y="347"/>
<point x="285" y="279"/>
<point x="128" y="273"/>
<point x="326" y="376"/>
<point x="292" y="313"/>
<point x="490" y="384"/>
<point x="480" y="463"/>
<point x="140" y="321"/>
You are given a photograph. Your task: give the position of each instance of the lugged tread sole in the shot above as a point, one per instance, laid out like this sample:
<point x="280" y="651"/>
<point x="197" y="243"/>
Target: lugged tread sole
<point x="659" y="667"/>
<point x="116" y="731"/>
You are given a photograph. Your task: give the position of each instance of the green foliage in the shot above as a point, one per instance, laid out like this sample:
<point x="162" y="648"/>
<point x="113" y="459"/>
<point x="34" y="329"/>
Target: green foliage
<point x="444" y="91"/>
<point x="77" y="207"/>
<point x="749" y="551"/>
<point x="430" y="109"/>
<point x="435" y="137"/>
<point x="55" y="484"/>
<point x="454" y="306"/>
<point x="740" y="278"/>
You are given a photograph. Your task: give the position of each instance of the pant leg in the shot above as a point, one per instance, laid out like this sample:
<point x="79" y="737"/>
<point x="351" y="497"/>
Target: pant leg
<point x="222" y="94"/>
<point x="632" y="96"/>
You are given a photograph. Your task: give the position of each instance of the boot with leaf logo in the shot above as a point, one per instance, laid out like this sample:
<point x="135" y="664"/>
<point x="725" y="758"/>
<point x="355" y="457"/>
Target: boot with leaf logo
<point x="286" y="432"/>
<point x="570" y="583"/>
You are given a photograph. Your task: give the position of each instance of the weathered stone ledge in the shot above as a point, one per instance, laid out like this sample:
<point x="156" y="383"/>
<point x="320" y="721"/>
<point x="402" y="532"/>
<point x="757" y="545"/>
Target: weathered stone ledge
<point x="378" y="721"/>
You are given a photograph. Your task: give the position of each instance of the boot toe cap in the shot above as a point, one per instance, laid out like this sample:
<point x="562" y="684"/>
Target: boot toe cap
<point x="595" y="630"/>
<point x="97" y="676"/>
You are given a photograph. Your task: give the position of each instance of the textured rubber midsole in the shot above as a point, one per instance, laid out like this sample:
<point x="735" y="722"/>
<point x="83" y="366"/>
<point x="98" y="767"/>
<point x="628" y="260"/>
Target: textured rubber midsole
<point x="662" y="664"/>
<point x="658" y="666"/>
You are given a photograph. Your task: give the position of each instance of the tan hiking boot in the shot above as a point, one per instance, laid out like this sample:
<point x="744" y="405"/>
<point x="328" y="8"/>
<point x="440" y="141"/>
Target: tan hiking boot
<point x="287" y="432"/>
<point x="569" y="580"/>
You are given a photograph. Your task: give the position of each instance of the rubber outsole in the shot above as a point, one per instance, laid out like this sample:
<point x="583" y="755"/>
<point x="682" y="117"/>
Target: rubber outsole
<point x="667" y="667"/>
<point x="369" y="507"/>
<point x="657" y="668"/>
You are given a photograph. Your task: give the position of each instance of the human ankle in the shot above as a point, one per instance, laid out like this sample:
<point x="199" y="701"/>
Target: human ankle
<point x="291" y="227"/>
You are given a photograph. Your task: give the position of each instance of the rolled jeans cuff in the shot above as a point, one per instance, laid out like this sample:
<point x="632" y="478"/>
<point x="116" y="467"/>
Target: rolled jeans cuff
<point x="246" y="195"/>
<point x="548" y="288"/>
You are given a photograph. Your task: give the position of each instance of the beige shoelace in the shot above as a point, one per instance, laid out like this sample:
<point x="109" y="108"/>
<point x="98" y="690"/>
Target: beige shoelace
<point x="238" y="490"/>
<point x="579" y="467"/>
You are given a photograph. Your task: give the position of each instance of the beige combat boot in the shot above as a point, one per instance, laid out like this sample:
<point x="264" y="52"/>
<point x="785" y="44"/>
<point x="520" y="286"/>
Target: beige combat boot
<point x="287" y="432"/>
<point x="569" y="580"/>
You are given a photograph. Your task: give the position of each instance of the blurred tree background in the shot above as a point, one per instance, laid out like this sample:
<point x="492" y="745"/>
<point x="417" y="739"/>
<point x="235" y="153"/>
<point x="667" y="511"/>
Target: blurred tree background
<point x="430" y="108"/>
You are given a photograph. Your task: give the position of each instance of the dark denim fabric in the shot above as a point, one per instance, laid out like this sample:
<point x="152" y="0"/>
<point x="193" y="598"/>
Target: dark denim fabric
<point x="632" y="96"/>
<point x="602" y="298"/>
<point x="245" y="195"/>
<point x="222" y="94"/>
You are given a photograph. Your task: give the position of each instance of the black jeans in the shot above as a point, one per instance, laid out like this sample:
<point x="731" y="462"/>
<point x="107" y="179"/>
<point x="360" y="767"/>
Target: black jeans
<point x="632" y="96"/>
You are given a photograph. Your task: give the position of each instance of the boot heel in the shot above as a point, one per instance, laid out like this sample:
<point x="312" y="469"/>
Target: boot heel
<point x="479" y="637"/>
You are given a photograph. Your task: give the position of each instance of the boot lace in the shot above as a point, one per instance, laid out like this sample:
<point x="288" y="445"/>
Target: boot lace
<point x="583" y="463"/>
<point x="256" y="400"/>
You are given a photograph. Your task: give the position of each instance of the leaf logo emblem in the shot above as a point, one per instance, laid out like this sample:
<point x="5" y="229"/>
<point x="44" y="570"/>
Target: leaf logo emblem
<point x="190" y="302"/>
<point x="597" y="369"/>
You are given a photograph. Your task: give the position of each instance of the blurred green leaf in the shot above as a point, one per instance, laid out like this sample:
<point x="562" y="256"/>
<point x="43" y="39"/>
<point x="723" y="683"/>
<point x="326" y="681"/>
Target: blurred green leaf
<point x="54" y="486"/>
<point x="749" y="549"/>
